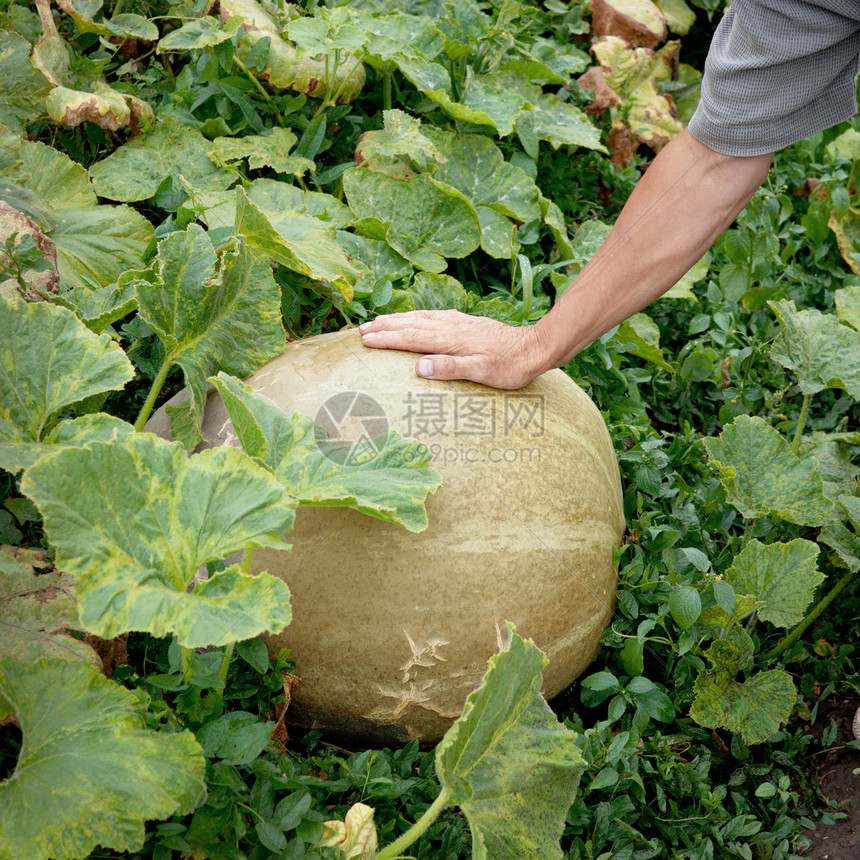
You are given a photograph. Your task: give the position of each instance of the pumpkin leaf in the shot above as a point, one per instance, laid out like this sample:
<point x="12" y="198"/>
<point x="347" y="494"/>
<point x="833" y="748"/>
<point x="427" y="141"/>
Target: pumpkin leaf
<point x="89" y="771"/>
<point x="94" y="243"/>
<point x="49" y="361"/>
<point x="199" y="33"/>
<point x="781" y="576"/>
<point x="24" y="87"/>
<point x="38" y="608"/>
<point x="762" y="477"/>
<point x="475" y="166"/>
<point x="136" y="169"/>
<point x="756" y="708"/>
<point x="134" y="520"/>
<point x="300" y="242"/>
<point x="847" y="230"/>
<point x="207" y="322"/>
<point x="818" y="348"/>
<point x="271" y="150"/>
<point x="508" y="762"/>
<point x="391" y="483"/>
<point x="848" y="306"/>
<point x="426" y="220"/>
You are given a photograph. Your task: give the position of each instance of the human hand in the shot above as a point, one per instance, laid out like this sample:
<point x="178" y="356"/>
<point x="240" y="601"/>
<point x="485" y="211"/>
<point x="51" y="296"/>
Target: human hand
<point x="460" y="346"/>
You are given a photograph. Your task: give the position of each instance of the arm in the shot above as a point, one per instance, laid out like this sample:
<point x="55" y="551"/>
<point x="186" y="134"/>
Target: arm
<point x="688" y="196"/>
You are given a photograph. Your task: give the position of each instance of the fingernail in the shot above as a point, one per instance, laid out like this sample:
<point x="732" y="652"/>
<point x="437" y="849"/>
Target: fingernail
<point x="363" y="327"/>
<point x="425" y="367"/>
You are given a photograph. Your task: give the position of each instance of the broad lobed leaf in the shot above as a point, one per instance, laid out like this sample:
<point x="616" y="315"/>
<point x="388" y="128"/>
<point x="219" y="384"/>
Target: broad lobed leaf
<point x="509" y="764"/>
<point x="391" y="484"/>
<point x="134" y="520"/>
<point x="89" y="772"/>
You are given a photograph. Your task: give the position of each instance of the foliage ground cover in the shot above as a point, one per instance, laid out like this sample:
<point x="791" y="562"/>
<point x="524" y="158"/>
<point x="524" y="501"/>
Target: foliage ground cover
<point x="183" y="185"/>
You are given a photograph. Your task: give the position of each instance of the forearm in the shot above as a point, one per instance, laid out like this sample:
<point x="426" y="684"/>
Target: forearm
<point x="684" y="202"/>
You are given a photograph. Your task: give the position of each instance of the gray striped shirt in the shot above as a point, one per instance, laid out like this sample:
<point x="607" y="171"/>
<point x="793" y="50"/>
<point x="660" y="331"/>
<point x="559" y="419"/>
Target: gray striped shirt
<point x="778" y="71"/>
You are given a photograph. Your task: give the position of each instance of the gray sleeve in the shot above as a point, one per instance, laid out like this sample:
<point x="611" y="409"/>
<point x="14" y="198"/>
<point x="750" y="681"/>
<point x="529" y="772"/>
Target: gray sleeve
<point x="778" y="71"/>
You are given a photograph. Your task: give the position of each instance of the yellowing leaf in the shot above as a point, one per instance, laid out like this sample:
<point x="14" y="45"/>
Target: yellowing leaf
<point x="207" y="321"/>
<point x="762" y="476"/>
<point x="391" y="483"/>
<point x="355" y="835"/>
<point x="134" y="520"/>
<point x="848" y="306"/>
<point x="89" y="772"/>
<point x="106" y="107"/>
<point x="135" y="170"/>
<point x="637" y="22"/>
<point x="50" y="361"/>
<point x="782" y="577"/>
<point x="272" y="150"/>
<point x="507" y="761"/>
<point x="756" y="708"/>
<point x="37" y="610"/>
<point x="818" y="348"/>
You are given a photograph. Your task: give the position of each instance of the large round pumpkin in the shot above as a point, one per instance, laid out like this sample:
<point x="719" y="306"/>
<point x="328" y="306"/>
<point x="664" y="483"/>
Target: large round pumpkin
<point x="391" y="630"/>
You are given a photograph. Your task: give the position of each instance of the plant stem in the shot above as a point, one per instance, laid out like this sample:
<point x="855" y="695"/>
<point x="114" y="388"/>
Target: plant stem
<point x="386" y="91"/>
<point x="157" y="384"/>
<point x="225" y="662"/>
<point x="801" y="421"/>
<point x="403" y="842"/>
<point x="748" y="532"/>
<point x="794" y="635"/>
<point x="245" y="565"/>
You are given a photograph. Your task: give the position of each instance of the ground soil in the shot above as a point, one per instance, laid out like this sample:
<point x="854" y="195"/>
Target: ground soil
<point x="839" y="783"/>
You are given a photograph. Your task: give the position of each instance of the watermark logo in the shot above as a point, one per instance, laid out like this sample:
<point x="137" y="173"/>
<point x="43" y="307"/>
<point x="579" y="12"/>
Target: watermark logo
<point x="494" y="414"/>
<point x="351" y="428"/>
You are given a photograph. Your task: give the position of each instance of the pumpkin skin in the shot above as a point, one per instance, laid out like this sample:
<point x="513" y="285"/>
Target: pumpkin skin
<point x="391" y="629"/>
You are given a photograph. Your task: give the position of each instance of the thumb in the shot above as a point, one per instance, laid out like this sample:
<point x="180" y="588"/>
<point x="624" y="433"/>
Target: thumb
<point x="443" y="367"/>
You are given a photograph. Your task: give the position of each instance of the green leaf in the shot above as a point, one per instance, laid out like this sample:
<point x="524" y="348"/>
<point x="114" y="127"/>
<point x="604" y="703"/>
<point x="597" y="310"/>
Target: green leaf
<point x="208" y="322"/>
<point x="508" y="763"/>
<point x="298" y="241"/>
<point x="560" y="123"/>
<point x="391" y="484"/>
<point x="271" y="150"/>
<point x="683" y="289"/>
<point x="754" y="709"/>
<point x="640" y="336"/>
<point x="475" y="166"/>
<point x="331" y="31"/>
<point x="632" y="656"/>
<point x="135" y="170"/>
<point x="89" y="772"/>
<point x="199" y="33"/>
<point x="36" y="611"/>
<point x="685" y="606"/>
<point x="102" y="306"/>
<point x="134" y="520"/>
<point x="94" y="243"/>
<point x="679" y="16"/>
<point x="427" y="220"/>
<point x="237" y="737"/>
<point x="24" y="87"/>
<point x="848" y="306"/>
<point x="818" y="348"/>
<point x="128" y="25"/>
<point x="782" y="576"/>
<point x="48" y="361"/>
<point x="437" y="292"/>
<point x="762" y="477"/>
<point x="399" y="148"/>
<point x="99" y="243"/>
<point x="375" y="259"/>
